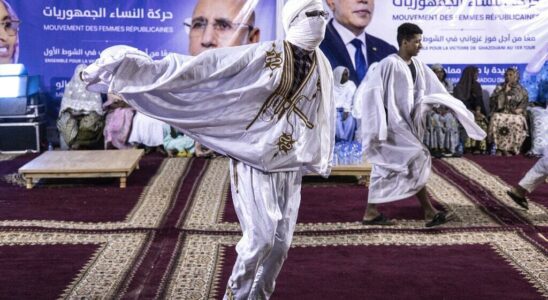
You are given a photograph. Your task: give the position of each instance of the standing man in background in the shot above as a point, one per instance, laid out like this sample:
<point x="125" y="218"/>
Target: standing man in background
<point x="347" y="44"/>
<point x="397" y="96"/>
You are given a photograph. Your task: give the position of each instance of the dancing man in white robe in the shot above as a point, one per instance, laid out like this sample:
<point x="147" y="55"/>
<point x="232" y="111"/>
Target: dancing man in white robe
<point x="397" y="96"/>
<point x="267" y="106"/>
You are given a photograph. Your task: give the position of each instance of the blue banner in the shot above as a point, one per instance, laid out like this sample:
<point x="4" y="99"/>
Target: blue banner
<point x="55" y="35"/>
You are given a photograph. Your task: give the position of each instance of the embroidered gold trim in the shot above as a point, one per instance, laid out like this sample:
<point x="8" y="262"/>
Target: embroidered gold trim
<point x="274" y="59"/>
<point x="285" y="142"/>
<point x="280" y="103"/>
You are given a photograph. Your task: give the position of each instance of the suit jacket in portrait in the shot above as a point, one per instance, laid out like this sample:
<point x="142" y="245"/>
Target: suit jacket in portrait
<point x="333" y="47"/>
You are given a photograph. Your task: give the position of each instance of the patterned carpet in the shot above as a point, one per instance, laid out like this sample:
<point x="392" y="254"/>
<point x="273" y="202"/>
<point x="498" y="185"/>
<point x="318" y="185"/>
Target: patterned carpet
<point x="171" y="234"/>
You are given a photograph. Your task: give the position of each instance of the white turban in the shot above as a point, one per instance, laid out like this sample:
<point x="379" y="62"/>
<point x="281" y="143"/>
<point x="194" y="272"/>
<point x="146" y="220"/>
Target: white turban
<point x="306" y="33"/>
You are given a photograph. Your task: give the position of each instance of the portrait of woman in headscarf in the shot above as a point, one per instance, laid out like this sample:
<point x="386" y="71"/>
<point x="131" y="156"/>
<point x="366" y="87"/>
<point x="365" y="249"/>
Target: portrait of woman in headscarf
<point x="9" y="34"/>
<point x="508" y="127"/>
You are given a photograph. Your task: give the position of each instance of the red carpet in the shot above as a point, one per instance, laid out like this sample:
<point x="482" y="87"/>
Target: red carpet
<point x="171" y="234"/>
<point x="397" y="272"/>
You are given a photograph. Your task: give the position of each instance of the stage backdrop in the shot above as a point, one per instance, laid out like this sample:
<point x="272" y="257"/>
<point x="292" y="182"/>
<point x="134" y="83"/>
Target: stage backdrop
<point x="57" y="35"/>
<point x="491" y="34"/>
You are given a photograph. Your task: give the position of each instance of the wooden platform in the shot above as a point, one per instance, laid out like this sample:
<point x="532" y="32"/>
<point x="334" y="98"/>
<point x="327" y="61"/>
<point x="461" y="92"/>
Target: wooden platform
<point x="82" y="164"/>
<point x="362" y="171"/>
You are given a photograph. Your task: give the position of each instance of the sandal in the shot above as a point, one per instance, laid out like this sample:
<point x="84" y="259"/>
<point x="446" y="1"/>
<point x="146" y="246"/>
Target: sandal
<point x="439" y="218"/>
<point x="521" y="201"/>
<point x="380" y="220"/>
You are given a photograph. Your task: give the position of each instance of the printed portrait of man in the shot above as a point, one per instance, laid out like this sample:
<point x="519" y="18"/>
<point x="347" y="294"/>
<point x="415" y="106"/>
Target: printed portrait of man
<point x="218" y="24"/>
<point x="346" y="41"/>
<point x="225" y="23"/>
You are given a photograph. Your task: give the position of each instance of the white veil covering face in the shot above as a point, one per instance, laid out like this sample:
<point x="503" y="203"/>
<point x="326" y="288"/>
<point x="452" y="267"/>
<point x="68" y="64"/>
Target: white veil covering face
<point x="307" y="33"/>
<point x="302" y="31"/>
<point x="215" y="95"/>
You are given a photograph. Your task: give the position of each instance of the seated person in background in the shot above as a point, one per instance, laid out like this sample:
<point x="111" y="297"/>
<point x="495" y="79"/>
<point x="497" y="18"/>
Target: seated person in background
<point x="483" y="122"/>
<point x="442" y="76"/>
<point x="508" y="127"/>
<point x="147" y="132"/>
<point x="469" y="91"/>
<point x="442" y="128"/>
<point x="119" y="116"/>
<point x="203" y="151"/>
<point x="81" y="119"/>
<point x="343" y="93"/>
<point x="534" y="177"/>
<point x="176" y="143"/>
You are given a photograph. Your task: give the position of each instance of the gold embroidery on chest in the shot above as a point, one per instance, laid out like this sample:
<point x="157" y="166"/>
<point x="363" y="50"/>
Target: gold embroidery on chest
<point x="280" y="104"/>
<point x="273" y="59"/>
<point x="285" y="142"/>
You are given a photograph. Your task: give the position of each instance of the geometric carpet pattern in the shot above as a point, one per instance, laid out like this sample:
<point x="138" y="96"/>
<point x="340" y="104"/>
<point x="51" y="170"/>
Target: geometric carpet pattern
<point x="171" y="234"/>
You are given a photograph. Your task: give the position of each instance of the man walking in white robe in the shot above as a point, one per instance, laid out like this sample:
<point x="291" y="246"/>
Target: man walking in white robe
<point x="532" y="179"/>
<point x="397" y="95"/>
<point x="267" y="106"/>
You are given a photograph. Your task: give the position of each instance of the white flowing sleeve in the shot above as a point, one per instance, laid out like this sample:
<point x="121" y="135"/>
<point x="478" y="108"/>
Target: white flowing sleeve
<point x="436" y="94"/>
<point x="350" y="90"/>
<point x="223" y="97"/>
<point x="369" y="107"/>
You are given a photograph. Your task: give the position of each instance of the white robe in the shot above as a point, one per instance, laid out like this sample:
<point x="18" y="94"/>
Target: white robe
<point x="537" y="174"/>
<point x="146" y="130"/>
<point x="343" y="94"/>
<point x="217" y="98"/>
<point x="234" y="101"/>
<point x="393" y="123"/>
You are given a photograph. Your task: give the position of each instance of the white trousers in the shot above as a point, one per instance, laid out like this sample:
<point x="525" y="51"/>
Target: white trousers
<point x="536" y="175"/>
<point x="267" y="205"/>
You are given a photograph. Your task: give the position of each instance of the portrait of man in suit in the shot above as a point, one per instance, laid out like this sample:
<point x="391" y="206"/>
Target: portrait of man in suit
<point x="216" y="24"/>
<point x="347" y="44"/>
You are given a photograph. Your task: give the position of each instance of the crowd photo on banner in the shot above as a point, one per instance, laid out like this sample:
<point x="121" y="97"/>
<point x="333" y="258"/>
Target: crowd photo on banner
<point x="283" y="89"/>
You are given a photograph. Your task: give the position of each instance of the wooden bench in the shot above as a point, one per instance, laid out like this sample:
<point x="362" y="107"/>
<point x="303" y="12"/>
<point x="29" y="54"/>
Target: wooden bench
<point x="362" y="171"/>
<point x="82" y="164"/>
